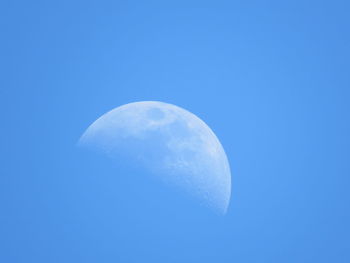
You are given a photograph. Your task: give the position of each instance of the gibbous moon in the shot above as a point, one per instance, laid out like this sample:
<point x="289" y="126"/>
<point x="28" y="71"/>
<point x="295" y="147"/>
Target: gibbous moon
<point x="170" y="142"/>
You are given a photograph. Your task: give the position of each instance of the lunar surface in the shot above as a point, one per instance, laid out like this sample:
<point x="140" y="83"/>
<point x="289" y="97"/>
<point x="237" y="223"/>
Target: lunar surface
<point x="170" y="142"/>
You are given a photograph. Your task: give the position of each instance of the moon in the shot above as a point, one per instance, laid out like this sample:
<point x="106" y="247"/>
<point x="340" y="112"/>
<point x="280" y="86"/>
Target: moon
<point x="169" y="141"/>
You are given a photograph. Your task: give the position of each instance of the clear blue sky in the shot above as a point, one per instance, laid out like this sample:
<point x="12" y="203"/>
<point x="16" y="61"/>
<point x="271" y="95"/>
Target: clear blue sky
<point x="271" y="78"/>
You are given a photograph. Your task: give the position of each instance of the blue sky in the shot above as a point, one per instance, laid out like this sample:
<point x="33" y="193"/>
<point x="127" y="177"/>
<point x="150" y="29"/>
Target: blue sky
<point x="271" y="78"/>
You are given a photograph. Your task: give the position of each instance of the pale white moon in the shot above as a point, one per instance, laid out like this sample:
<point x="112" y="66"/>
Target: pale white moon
<point x="170" y="142"/>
